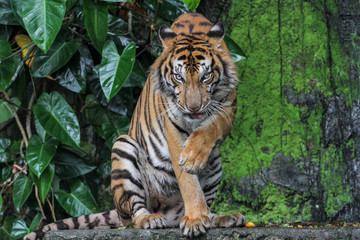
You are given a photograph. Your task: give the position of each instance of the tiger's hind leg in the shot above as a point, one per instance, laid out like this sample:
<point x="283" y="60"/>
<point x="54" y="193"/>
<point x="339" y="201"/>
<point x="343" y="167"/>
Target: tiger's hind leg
<point x="210" y="183"/>
<point x="127" y="186"/>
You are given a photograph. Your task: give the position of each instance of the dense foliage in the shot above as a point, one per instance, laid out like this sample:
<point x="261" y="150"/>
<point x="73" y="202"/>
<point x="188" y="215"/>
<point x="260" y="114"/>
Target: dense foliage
<point x="70" y="75"/>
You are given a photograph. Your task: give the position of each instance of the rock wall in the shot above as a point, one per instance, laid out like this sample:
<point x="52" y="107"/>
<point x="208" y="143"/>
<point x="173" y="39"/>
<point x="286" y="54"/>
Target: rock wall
<point x="293" y="154"/>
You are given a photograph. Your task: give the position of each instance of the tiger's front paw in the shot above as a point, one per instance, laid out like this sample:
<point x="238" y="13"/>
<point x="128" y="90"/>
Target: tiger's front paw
<point x="195" y="155"/>
<point x="195" y="227"/>
<point x="147" y="221"/>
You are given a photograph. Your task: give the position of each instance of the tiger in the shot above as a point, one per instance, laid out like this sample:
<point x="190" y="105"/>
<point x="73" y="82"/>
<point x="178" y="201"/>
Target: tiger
<point x="166" y="171"/>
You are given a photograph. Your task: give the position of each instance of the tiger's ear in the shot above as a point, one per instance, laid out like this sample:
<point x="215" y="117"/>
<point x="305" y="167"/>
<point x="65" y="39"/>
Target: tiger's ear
<point x="216" y="34"/>
<point x="167" y="36"/>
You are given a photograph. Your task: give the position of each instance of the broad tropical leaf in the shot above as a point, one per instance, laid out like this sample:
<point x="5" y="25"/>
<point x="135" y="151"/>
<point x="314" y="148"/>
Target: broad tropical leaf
<point x="35" y="222"/>
<point x="236" y="52"/>
<point x="115" y="69"/>
<point x="16" y="6"/>
<point x="74" y="75"/>
<point x="39" y="154"/>
<point x="57" y="56"/>
<point x="42" y="20"/>
<point x="7" y="67"/>
<point x="4" y="155"/>
<point x="19" y="229"/>
<point x="44" y="182"/>
<point x="5" y="110"/>
<point x="79" y="201"/>
<point x="40" y="130"/>
<point x="192" y="4"/>
<point x="57" y="118"/>
<point x="115" y="128"/>
<point x="21" y="190"/>
<point x="69" y="165"/>
<point x="96" y="22"/>
<point x="6" y="13"/>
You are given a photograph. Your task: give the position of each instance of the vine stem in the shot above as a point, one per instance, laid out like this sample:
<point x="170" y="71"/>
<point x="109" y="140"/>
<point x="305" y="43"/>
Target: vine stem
<point x="52" y="209"/>
<point x="21" y="128"/>
<point x="28" y="114"/>
<point x="39" y="203"/>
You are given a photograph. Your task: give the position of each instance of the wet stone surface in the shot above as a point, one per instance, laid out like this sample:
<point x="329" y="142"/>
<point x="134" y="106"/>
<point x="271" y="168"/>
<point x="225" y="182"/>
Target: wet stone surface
<point x="235" y="233"/>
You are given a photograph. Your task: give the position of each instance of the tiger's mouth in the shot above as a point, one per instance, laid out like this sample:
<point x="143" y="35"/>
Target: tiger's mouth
<point x="196" y="115"/>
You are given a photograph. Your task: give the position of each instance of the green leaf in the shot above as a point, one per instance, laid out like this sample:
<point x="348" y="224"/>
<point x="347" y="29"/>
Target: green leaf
<point x="16" y="6"/>
<point x="4" y="154"/>
<point x="43" y="20"/>
<point x="96" y="22"/>
<point x="6" y="32"/>
<point x="79" y="201"/>
<point x="7" y="16"/>
<point x="21" y="190"/>
<point x="116" y="25"/>
<point x="40" y="130"/>
<point x="115" y="69"/>
<point x="7" y="67"/>
<point x="6" y="173"/>
<point x="5" y="110"/>
<point x="6" y="227"/>
<point x="44" y="181"/>
<point x="35" y="222"/>
<point x="19" y="229"/>
<point x="114" y="129"/>
<point x="169" y="9"/>
<point x="57" y="118"/>
<point x="58" y="55"/>
<point x="121" y="103"/>
<point x="73" y="76"/>
<point x="1" y="202"/>
<point x="69" y="165"/>
<point x="236" y="52"/>
<point x="39" y="155"/>
<point x="137" y="77"/>
<point x="192" y="4"/>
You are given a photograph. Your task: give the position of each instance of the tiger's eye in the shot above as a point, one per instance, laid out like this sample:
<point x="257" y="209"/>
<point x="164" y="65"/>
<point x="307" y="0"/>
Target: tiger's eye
<point x="206" y="77"/>
<point x="178" y="77"/>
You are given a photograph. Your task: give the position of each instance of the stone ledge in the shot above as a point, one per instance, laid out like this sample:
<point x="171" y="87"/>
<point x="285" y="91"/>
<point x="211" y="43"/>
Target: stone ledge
<point x="232" y="233"/>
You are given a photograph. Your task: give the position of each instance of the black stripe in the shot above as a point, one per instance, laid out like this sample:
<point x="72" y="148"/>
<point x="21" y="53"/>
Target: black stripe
<point x="191" y="28"/>
<point x="182" y="57"/>
<point x="157" y="151"/>
<point x="214" y="173"/>
<point x="205" y="24"/>
<point x="165" y="32"/>
<point x="122" y="139"/>
<point x="94" y="224"/>
<point x="125" y="174"/>
<point x="116" y="187"/>
<point x="76" y="222"/>
<point x="106" y="216"/>
<point x="125" y="155"/>
<point x="179" y="210"/>
<point x="179" y="128"/>
<point x="61" y="225"/>
<point x="209" y="187"/>
<point x="179" y="25"/>
<point x="87" y="219"/>
<point x="199" y="57"/>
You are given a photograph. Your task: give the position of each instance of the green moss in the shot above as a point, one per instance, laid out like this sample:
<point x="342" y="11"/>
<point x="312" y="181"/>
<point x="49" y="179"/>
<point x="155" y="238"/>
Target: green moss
<point x="294" y="55"/>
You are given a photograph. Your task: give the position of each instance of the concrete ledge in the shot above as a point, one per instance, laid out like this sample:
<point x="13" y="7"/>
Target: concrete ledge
<point x="232" y="233"/>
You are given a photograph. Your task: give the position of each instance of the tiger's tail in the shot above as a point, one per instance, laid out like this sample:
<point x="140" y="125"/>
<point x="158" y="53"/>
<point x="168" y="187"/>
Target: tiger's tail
<point x="104" y="220"/>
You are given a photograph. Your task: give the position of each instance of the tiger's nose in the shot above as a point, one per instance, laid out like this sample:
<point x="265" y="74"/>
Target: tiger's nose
<point x="193" y="109"/>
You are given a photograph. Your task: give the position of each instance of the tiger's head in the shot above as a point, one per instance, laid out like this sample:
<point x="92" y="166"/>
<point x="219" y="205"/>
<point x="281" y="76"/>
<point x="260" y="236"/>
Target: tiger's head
<point x="195" y="68"/>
